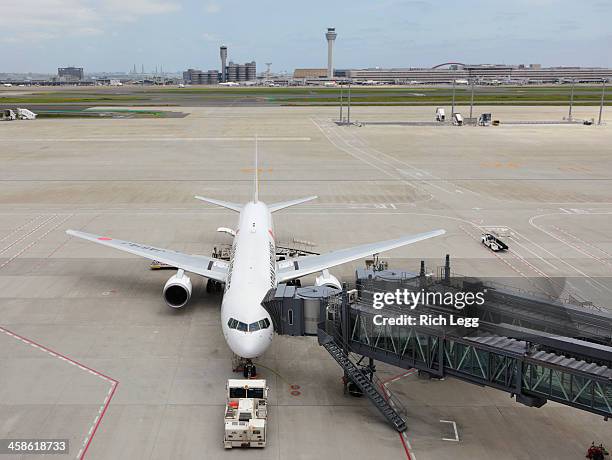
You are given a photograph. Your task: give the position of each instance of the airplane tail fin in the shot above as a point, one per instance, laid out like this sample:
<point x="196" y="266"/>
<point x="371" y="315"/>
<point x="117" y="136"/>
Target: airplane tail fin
<point x="256" y="176"/>
<point x="285" y="204"/>
<point x="224" y="204"/>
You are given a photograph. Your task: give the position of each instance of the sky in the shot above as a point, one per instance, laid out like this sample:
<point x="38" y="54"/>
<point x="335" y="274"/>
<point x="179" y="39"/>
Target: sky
<point x="113" y="35"/>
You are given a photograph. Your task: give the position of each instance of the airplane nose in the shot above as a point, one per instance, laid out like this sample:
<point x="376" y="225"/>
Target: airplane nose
<point x="249" y="345"/>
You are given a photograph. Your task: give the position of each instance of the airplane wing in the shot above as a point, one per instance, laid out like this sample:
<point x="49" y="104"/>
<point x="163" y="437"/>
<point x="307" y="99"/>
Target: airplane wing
<point x="201" y="265"/>
<point x="285" y="204"/>
<point x="296" y="267"/>
<point x="224" y="204"/>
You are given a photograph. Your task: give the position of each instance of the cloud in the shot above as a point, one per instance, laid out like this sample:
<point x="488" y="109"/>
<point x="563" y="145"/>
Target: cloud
<point x="132" y="10"/>
<point x="210" y="37"/>
<point x="212" y="8"/>
<point x="36" y="20"/>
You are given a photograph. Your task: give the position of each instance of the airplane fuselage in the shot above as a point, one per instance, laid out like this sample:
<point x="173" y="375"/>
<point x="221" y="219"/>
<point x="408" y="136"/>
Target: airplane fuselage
<point x="247" y="326"/>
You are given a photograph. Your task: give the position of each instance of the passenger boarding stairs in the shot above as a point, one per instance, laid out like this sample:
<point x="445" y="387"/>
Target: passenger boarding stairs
<point x="366" y="385"/>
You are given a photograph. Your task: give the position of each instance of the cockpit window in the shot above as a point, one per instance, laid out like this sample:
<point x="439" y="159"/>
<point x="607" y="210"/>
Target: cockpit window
<point x="256" y="326"/>
<point x="235" y="324"/>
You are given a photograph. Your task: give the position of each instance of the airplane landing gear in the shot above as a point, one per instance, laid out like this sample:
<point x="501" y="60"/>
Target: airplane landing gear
<point x="250" y="371"/>
<point x="245" y="366"/>
<point x="214" y="287"/>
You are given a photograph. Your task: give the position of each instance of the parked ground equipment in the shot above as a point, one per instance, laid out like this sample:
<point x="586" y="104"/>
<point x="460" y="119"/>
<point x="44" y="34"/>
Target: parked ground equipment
<point x="493" y="243"/>
<point x="246" y="413"/>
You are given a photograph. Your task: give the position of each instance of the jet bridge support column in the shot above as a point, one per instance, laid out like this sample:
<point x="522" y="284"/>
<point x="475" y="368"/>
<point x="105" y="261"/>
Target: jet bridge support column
<point x="345" y="319"/>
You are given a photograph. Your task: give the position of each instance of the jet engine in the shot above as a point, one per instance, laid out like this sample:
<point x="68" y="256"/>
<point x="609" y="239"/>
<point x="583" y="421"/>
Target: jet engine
<point x="327" y="279"/>
<point x="177" y="290"/>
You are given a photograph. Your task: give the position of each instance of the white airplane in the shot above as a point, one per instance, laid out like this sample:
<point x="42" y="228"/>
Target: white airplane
<point x="229" y="83"/>
<point x="251" y="271"/>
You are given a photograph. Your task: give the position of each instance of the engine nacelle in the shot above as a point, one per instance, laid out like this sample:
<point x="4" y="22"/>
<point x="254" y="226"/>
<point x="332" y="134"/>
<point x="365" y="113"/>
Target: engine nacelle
<point x="327" y="279"/>
<point x="177" y="290"/>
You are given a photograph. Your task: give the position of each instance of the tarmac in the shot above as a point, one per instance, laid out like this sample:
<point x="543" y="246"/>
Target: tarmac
<point x="90" y="352"/>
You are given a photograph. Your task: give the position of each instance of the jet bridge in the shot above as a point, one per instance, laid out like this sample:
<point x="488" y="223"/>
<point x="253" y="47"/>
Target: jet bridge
<point x="534" y="349"/>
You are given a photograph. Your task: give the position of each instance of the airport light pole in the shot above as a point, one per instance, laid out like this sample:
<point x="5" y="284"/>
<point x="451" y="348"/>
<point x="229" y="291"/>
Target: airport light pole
<point x="341" y="104"/>
<point x="453" y="106"/>
<point x="569" y="117"/>
<point x="472" y="99"/>
<point x="348" y="108"/>
<point x="603" y="95"/>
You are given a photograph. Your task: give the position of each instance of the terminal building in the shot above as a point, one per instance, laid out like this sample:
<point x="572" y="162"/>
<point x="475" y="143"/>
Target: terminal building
<point x="309" y="73"/>
<point x="446" y="73"/>
<point x="70" y="74"/>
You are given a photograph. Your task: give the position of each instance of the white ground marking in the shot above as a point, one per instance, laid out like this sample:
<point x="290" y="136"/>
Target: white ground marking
<point x="418" y="172"/>
<point x="386" y="391"/>
<point x="159" y="139"/>
<point x="21" y="227"/>
<point x="23" y="237"/>
<point x="577" y="270"/>
<point x="579" y="249"/>
<point x="582" y="241"/>
<point x="384" y="171"/>
<point x="36" y="241"/>
<point x="456" y="438"/>
<point x="103" y="406"/>
<point x="554" y="267"/>
<point x="402" y="172"/>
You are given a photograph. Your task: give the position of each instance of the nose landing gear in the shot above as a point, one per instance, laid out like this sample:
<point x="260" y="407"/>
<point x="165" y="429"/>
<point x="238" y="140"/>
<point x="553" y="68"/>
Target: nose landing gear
<point x="245" y="366"/>
<point x="250" y="371"/>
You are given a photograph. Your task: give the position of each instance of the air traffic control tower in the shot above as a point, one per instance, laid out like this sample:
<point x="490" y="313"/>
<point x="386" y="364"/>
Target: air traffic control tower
<point x="223" y="54"/>
<point x="331" y="37"/>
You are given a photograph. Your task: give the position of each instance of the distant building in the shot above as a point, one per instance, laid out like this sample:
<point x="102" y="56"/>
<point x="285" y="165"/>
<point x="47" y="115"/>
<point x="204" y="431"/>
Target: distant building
<point x="231" y="72"/>
<point x="251" y="71"/>
<point x="483" y="72"/>
<point x="241" y="72"/>
<point x="310" y="73"/>
<point x="212" y="77"/>
<point x="200" y="77"/>
<point x="70" y="73"/>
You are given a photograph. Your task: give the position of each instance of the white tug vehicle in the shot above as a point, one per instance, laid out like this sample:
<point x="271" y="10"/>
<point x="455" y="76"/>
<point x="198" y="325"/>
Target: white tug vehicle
<point x="246" y="413"/>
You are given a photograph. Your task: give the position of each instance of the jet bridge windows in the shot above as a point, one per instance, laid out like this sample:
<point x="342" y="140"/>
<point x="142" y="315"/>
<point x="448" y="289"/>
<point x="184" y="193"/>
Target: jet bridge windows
<point x="256" y="326"/>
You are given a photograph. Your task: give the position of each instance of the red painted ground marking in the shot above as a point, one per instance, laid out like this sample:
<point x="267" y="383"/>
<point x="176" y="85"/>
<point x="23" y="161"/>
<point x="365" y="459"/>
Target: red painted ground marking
<point x="104" y="238"/>
<point x="383" y="388"/>
<point x="108" y="400"/>
<point x="114" y="383"/>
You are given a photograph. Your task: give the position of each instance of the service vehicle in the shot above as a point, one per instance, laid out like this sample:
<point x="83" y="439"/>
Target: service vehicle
<point x="493" y="243"/>
<point x="246" y="413"/>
